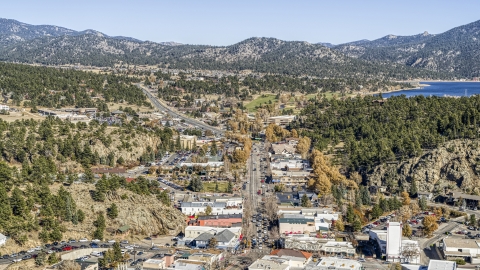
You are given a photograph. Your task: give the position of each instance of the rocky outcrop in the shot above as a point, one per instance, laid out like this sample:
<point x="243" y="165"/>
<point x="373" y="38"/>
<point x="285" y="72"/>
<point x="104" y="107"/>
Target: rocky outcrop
<point x="145" y="215"/>
<point x="455" y="165"/>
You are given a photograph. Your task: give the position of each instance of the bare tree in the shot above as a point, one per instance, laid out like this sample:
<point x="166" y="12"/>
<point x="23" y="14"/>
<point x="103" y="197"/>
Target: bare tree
<point x="271" y="207"/>
<point x="410" y="252"/>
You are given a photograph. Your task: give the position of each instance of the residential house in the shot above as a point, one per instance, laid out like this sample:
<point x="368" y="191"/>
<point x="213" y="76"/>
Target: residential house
<point x="427" y="195"/>
<point x="227" y="240"/>
<point x="283" y="149"/>
<point x="292" y="141"/>
<point x="202" y="240"/>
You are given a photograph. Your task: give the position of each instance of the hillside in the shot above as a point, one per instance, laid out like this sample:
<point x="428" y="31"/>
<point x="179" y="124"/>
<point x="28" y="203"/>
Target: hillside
<point x="456" y="51"/>
<point x="267" y="55"/>
<point x="452" y="166"/>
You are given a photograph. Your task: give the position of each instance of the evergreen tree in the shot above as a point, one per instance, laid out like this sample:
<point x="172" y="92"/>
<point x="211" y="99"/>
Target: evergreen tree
<point x="357" y="224"/>
<point x="164" y="197"/>
<point x="230" y="187"/>
<point x="100" y="225"/>
<point x="350" y="214"/>
<point x="112" y="212"/>
<point x="358" y="200"/>
<point x="422" y="203"/>
<point x="213" y="148"/>
<point x="80" y="216"/>
<point x="376" y="211"/>
<point x="365" y="194"/>
<point x="413" y="188"/>
<point x="5" y="208"/>
<point x="19" y="207"/>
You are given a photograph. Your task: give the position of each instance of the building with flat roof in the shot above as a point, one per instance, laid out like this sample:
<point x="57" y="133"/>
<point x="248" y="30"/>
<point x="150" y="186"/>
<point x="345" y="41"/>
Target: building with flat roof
<point x="154" y="264"/>
<point x="442" y="265"/>
<point x="394" y="241"/>
<point x="262" y="264"/>
<point x="460" y="248"/>
<point x="338" y="249"/>
<point x="333" y="263"/>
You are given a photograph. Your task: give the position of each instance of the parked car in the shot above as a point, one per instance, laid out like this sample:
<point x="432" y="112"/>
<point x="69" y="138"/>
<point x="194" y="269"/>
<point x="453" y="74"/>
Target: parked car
<point x="83" y="240"/>
<point x="111" y="241"/>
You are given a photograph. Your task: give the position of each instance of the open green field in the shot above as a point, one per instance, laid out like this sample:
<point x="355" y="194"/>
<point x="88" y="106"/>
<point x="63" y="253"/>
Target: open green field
<point x="260" y="100"/>
<point x="210" y="187"/>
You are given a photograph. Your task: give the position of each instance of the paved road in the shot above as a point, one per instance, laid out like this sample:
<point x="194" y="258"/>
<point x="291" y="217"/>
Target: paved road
<point x="159" y="104"/>
<point x="428" y="252"/>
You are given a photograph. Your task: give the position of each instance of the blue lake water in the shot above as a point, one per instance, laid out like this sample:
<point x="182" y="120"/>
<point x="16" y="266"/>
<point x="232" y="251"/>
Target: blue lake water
<point x="441" y="89"/>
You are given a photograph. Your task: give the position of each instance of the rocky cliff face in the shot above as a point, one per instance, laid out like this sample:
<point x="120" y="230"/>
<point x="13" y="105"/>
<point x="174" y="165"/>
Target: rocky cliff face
<point x="455" y="165"/>
<point x="144" y="214"/>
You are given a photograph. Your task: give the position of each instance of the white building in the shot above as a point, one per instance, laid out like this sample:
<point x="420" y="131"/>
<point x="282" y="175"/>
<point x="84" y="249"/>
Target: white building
<point x="4" y="107"/>
<point x="394" y="241"/>
<point x="3" y="239"/>
<point x="393" y="246"/>
<point x="154" y="264"/>
<point x="442" y="265"/>
<point x="338" y="249"/>
<point x="460" y="248"/>
<point x="261" y="264"/>
<point x="218" y="208"/>
<point x="192" y="232"/>
<point x="332" y="263"/>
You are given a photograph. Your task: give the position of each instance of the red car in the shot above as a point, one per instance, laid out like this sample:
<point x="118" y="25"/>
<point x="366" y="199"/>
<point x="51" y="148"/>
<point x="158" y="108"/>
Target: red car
<point x="67" y="248"/>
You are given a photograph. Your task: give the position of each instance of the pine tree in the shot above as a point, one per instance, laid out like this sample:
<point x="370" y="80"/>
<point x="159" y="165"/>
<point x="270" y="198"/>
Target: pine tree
<point x="80" y="216"/>
<point x="306" y="201"/>
<point x="17" y="202"/>
<point x="230" y="187"/>
<point x="422" y="203"/>
<point x="350" y="214"/>
<point x="112" y="212"/>
<point x="357" y="224"/>
<point x="413" y="188"/>
<point x="376" y="211"/>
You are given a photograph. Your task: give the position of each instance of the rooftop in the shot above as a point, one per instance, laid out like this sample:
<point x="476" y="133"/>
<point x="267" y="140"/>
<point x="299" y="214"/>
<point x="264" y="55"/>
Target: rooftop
<point x="267" y="264"/>
<point x="291" y="253"/>
<point x="442" y="265"/>
<point x="461" y="242"/>
<point x="336" y="263"/>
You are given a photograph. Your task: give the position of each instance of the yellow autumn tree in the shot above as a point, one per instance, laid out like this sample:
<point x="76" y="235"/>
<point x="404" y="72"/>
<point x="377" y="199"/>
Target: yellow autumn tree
<point x="294" y="133"/>
<point x="303" y="146"/>
<point x="405" y="198"/>
<point x="429" y="225"/>
<point x="325" y="175"/>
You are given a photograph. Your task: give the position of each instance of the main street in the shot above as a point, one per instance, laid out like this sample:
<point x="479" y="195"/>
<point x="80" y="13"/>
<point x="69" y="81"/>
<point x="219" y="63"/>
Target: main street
<point x="159" y="104"/>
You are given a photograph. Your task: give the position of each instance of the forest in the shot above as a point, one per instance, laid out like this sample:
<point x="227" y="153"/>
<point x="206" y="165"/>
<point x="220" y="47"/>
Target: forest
<point x="232" y="86"/>
<point x="57" y="88"/>
<point x="374" y="130"/>
<point x="32" y="153"/>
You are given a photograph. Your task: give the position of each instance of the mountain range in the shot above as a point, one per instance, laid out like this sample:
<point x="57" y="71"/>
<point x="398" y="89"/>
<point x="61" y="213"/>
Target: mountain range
<point x="447" y="55"/>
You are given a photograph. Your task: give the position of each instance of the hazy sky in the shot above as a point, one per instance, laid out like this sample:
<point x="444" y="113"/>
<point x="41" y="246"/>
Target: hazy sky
<point x="225" y="22"/>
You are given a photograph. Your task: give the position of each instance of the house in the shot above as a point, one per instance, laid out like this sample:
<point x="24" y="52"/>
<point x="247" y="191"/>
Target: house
<point x="295" y="258"/>
<point x="262" y="264"/>
<point x="329" y="263"/>
<point x="3" y="239"/>
<point x="192" y="232"/>
<point x="427" y="195"/>
<point x="292" y="141"/>
<point x="282" y="120"/>
<point x="226" y="240"/>
<point x="202" y="240"/>
<point x="283" y="149"/>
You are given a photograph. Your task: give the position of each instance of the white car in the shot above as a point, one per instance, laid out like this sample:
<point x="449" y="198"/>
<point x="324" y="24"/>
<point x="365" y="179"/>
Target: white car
<point x="83" y="240"/>
<point x="38" y="248"/>
<point x="96" y="254"/>
<point x="111" y="241"/>
<point x="31" y="250"/>
<point x="50" y="251"/>
<point x="96" y="240"/>
<point x="17" y="260"/>
<point x="129" y="247"/>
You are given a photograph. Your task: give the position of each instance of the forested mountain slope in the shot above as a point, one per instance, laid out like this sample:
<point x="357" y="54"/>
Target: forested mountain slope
<point x="456" y="50"/>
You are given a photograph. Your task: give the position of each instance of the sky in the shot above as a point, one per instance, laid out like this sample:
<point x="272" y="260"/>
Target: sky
<point x="225" y="22"/>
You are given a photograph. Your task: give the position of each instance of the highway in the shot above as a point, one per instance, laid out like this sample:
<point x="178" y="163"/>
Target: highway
<point x="159" y="104"/>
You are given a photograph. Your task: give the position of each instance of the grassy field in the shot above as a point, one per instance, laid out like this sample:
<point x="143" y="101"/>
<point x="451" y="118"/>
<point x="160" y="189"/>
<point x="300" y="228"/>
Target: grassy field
<point x="210" y="187"/>
<point x="260" y="100"/>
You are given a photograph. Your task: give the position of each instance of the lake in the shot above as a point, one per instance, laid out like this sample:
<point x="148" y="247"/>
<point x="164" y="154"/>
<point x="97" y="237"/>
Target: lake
<point x="441" y="89"/>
